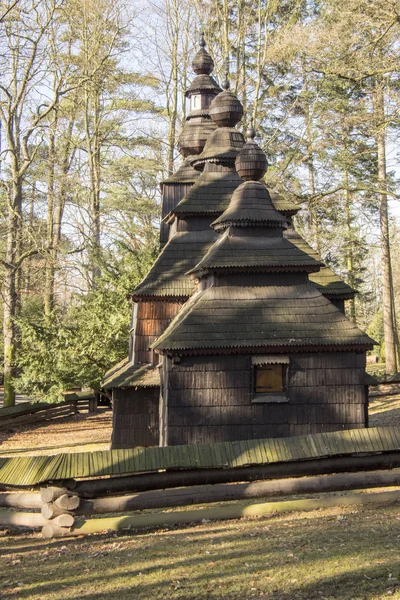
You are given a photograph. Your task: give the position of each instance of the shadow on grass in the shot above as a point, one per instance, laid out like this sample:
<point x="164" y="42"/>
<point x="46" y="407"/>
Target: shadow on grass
<point x="284" y="560"/>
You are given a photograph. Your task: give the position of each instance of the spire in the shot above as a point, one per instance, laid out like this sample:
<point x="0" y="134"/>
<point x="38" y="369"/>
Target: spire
<point x="201" y="91"/>
<point x="202" y="63"/>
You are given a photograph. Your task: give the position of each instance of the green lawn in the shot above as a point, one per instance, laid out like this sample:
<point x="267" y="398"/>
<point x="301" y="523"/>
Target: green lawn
<point x="343" y="553"/>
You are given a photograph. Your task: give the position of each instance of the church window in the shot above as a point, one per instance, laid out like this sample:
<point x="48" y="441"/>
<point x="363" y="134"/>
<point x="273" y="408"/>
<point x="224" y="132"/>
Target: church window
<point x="270" y="374"/>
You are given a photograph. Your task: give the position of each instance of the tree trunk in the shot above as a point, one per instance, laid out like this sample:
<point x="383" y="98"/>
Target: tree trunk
<point x="312" y="207"/>
<point x="173" y="101"/>
<point x="92" y="109"/>
<point x="49" y="270"/>
<point x="389" y="325"/>
<point x="350" y="240"/>
<point x="9" y="286"/>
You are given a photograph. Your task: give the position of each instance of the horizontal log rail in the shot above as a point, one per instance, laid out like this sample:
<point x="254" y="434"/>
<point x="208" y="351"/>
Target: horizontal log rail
<point x="225" y="456"/>
<point x="58" y="500"/>
<point x="219" y="513"/>
<point x="64" y="513"/>
<point x="91" y="488"/>
<point x="66" y="524"/>
<point x="28" y="413"/>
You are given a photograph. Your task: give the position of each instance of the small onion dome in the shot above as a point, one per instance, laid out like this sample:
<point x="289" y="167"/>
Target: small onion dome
<point x="250" y="206"/>
<point x="251" y="162"/>
<point x="202" y="62"/>
<point x="226" y="109"/>
<point x="222" y="146"/>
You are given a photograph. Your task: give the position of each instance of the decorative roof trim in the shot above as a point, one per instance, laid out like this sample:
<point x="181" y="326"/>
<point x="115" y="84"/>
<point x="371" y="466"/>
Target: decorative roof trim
<point x="292" y="349"/>
<point x="272" y="359"/>
<point x="281" y="268"/>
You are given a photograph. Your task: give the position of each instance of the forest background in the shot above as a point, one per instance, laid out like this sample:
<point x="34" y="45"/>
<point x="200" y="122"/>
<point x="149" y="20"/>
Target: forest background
<point x="91" y="105"/>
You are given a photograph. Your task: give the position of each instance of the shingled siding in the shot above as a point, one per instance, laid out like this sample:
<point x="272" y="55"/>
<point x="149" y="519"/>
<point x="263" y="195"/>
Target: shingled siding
<point x="210" y="398"/>
<point x="172" y="195"/>
<point x="135" y="417"/>
<point x="152" y="320"/>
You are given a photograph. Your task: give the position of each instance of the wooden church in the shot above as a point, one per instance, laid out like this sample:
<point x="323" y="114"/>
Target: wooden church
<point x="238" y="330"/>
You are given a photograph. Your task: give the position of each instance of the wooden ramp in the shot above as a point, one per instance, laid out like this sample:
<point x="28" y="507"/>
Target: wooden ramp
<point x="32" y="470"/>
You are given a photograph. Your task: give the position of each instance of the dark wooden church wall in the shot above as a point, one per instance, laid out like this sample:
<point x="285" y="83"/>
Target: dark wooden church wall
<point x="172" y="195"/>
<point x="135" y="417"/>
<point x="210" y="398"/>
<point x="339" y="303"/>
<point x="152" y="320"/>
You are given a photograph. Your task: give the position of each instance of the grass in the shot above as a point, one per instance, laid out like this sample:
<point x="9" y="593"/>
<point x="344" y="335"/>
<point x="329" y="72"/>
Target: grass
<point x="344" y="554"/>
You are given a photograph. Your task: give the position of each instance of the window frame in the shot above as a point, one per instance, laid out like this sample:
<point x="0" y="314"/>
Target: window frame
<point x="270" y="397"/>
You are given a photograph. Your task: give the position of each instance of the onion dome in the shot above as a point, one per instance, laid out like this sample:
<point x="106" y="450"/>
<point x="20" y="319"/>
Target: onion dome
<point x="226" y="109"/>
<point x="251" y="162"/>
<point x="202" y="63"/>
<point x="250" y="205"/>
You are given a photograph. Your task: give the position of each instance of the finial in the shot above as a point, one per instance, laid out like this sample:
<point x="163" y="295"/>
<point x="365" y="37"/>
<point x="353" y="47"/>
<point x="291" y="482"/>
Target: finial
<point x="202" y="63"/>
<point x="225" y="84"/>
<point x="251" y="133"/>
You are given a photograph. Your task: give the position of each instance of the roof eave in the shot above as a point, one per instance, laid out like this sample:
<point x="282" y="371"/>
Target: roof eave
<point x="279" y="348"/>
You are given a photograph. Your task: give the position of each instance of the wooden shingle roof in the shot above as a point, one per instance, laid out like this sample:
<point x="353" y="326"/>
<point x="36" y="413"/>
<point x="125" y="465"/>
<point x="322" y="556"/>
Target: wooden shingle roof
<point x="194" y="135"/>
<point x="273" y="317"/>
<point x="185" y="174"/>
<point x="326" y="281"/>
<point x="126" y="374"/>
<point x="167" y="276"/>
<point x="250" y="204"/>
<point x="259" y="253"/>
<point x="211" y="192"/>
<point x="222" y="146"/>
<point x="203" y="83"/>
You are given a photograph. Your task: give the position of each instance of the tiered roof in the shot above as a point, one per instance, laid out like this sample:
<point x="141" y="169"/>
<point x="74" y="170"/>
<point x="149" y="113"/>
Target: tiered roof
<point x="186" y="173"/>
<point x="326" y="281"/>
<point x="288" y="315"/>
<point x="267" y="317"/>
<point x="167" y="276"/>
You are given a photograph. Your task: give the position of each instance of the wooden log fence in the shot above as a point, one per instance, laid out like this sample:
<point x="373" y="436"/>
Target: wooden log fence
<point x="61" y="512"/>
<point x="27" y="413"/>
<point x="91" y="488"/>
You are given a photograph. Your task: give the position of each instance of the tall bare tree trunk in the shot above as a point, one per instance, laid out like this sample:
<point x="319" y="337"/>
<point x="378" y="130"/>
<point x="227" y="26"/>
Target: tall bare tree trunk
<point x="9" y="284"/>
<point x="312" y="207"/>
<point x="49" y="270"/>
<point x="389" y="324"/>
<point x="350" y="241"/>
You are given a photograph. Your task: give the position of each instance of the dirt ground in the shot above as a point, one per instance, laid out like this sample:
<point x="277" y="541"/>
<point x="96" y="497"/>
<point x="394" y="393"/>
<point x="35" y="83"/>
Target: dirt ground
<point x="68" y="434"/>
<point x="93" y="432"/>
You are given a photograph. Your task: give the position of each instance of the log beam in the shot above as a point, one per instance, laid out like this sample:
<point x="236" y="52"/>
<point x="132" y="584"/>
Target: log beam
<point x="240" y="491"/>
<point x="227" y="512"/>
